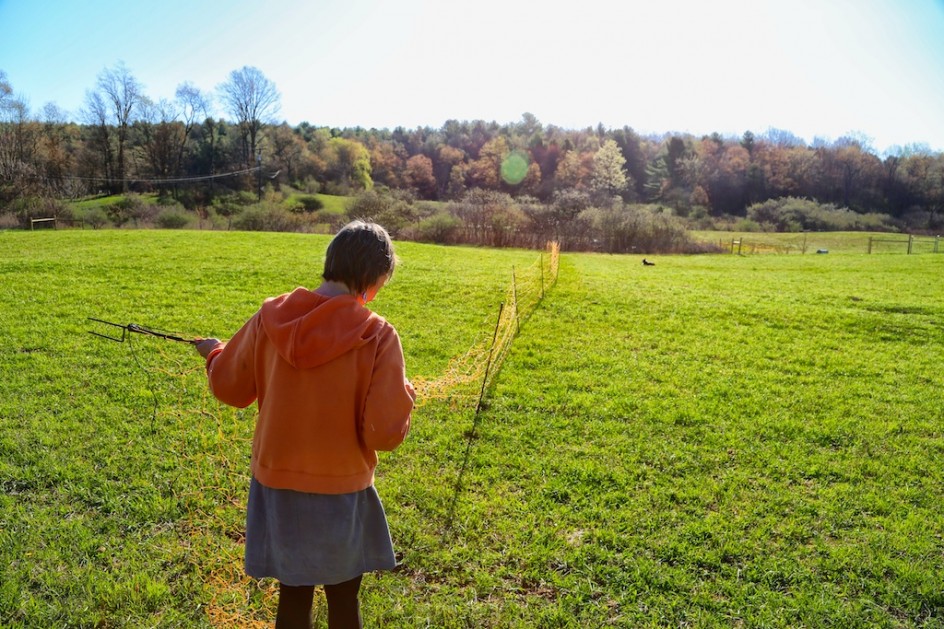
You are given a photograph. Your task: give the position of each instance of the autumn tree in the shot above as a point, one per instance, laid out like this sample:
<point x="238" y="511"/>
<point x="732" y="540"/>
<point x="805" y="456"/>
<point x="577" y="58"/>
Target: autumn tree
<point x="531" y="184"/>
<point x="458" y="181"/>
<point x="857" y="174"/>
<point x="485" y="172"/>
<point x="348" y="164"/>
<point x="446" y="158"/>
<point x="387" y="162"/>
<point x="419" y="176"/>
<point x="609" y="171"/>
<point x="788" y="170"/>
<point x="290" y="158"/>
<point x="918" y="184"/>
<point x="574" y="170"/>
<point x="722" y="173"/>
<point x="545" y="156"/>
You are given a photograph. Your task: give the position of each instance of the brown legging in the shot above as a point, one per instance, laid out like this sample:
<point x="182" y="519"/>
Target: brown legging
<point x="344" y="610"/>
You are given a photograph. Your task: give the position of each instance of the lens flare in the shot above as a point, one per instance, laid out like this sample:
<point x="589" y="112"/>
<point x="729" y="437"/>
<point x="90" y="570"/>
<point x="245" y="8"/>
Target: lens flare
<point x="514" y="167"/>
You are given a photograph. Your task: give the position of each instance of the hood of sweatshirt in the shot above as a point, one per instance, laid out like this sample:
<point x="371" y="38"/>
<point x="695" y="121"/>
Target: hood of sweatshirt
<point x="309" y="329"/>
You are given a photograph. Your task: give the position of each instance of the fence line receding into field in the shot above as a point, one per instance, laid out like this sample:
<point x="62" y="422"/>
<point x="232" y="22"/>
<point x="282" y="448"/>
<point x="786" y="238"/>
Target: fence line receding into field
<point x="480" y="364"/>
<point x="801" y="243"/>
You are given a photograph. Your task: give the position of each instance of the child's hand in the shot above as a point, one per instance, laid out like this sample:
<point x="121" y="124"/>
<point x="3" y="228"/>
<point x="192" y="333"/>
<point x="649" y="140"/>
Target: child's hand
<point x="205" y="346"/>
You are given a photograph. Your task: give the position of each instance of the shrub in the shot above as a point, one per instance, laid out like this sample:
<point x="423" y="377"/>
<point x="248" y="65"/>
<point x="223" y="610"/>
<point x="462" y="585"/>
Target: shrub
<point x="193" y="198"/>
<point x="789" y="214"/>
<point x="489" y="218"/>
<point x="395" y="210"/>
<point x="440" y="228"/>
<point x="230" y="206"/>
<point x="310" y="185"/>
<point x="22" y="209"/>
<point x="309" y="202"/>
<point x="96" y="217"/>
<point x="8" y="221"/>
<point x="747" y="225"/>
<point x="25" y="208"/>
<point x="636" y="228"/>
<point x="133" y="208"/>
<point x="173" y="218"/>
<point x="266" y="217"/>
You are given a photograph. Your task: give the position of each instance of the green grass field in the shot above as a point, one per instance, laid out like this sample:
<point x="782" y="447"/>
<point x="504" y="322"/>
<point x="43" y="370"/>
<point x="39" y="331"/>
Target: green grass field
<point x="715" y="441"/>
<point x="747" y="243"/>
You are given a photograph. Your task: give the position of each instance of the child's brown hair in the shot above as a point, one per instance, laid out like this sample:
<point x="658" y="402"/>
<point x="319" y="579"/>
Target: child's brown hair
<point x="360" y="254"/>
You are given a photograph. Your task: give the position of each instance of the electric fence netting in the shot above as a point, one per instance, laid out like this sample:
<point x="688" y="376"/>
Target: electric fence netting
<point x="210" y="442"/>
<point x="468" y="376"/>
<point x="213" y="440"/>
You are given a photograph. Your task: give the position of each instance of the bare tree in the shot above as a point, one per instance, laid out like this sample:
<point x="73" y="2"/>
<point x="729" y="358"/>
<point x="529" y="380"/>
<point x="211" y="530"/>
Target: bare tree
<point x="97" y="118"/>
<point x="8" y="109"/>
<point x="19" y="143"/>
<point x="253" y="101"/>
<point x="125" y="95"/>
<point x="193" y="105"/>
<point x="161" y="135"/>
<point x="58" y="159"/>
<point x="6" y="90"/>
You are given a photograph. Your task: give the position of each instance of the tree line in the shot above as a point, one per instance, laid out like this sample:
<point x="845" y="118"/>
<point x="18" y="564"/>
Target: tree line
<point x="123" y="141"/>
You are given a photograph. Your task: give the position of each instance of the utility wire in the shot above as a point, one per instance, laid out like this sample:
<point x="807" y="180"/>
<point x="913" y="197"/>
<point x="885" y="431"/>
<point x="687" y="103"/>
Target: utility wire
<point x="158" y="180"/>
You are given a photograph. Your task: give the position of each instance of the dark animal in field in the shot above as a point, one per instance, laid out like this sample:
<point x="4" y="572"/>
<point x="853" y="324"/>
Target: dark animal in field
<point x="647" y="263"/>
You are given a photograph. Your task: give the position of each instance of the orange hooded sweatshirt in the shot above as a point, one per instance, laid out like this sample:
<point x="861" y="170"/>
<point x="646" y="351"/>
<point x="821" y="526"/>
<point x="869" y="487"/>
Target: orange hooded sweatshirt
<point x="329" y="378"/>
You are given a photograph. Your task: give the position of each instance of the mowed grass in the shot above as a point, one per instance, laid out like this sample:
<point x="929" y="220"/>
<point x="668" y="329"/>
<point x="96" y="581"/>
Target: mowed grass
<point x="713" y="441"/>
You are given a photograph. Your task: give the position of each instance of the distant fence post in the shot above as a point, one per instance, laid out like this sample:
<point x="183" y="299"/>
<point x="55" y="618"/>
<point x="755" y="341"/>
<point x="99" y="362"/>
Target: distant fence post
<point x="33" y="222"/>
<point x="870" y="244"/>
<point x="514" y="294"/>
<point x="937" y="239"/>
<point x="910" y="243"/>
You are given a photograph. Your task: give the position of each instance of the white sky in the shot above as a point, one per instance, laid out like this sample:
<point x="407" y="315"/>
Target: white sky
<point x="816" y="68"/>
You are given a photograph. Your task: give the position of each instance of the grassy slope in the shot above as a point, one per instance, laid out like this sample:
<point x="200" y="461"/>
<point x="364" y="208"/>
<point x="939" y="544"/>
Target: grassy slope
<point x="332" y="203"/>
<point x="712" y="441"/>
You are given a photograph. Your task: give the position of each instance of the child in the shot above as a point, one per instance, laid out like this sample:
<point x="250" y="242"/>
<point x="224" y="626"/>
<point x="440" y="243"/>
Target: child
<point x="329" y="380"/>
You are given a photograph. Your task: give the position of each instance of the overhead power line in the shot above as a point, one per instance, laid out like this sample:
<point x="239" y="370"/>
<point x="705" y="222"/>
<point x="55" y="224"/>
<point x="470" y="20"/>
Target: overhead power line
<point x="163" y="180"/>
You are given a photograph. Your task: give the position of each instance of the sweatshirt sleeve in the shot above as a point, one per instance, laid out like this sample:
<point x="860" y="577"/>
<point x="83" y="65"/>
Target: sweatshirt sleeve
<point x="231" y="367"/>
<point x="389" y="399"/>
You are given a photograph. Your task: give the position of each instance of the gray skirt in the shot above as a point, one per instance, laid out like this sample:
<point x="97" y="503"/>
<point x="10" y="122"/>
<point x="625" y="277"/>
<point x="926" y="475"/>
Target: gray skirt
<point x="315" y="539"/>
